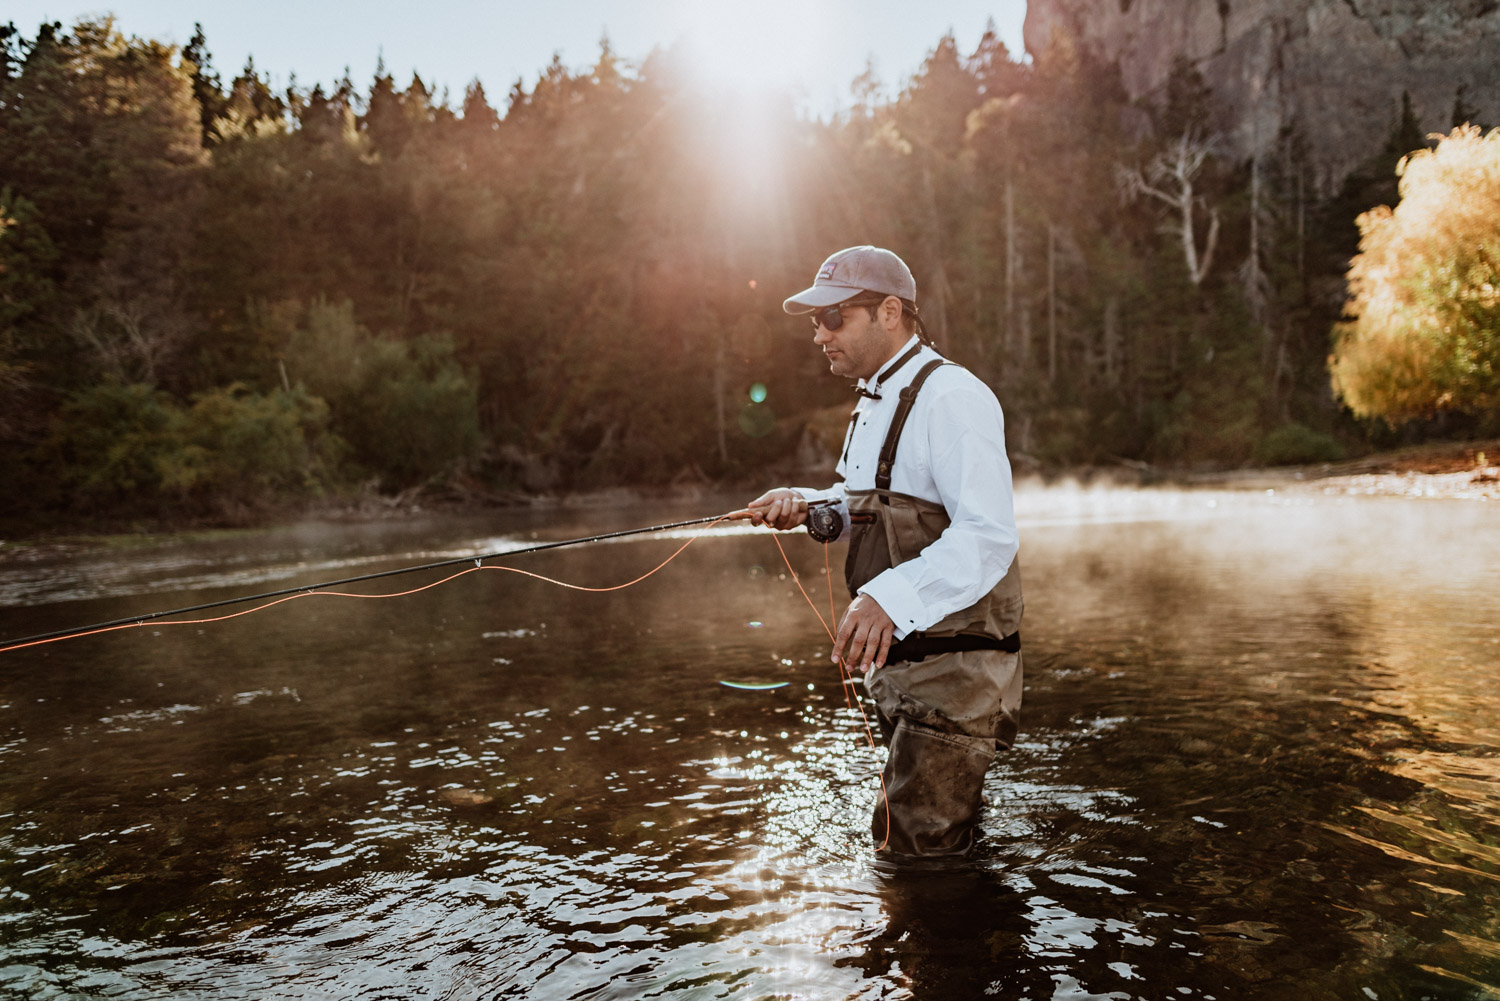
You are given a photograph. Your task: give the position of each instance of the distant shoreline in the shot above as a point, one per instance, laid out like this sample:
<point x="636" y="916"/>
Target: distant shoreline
<point x="1457" y="471"/>
<point x="1448" y="471"/>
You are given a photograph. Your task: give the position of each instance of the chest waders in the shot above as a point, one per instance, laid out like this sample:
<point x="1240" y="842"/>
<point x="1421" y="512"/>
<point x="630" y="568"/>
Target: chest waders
<point x="948" y="695"/>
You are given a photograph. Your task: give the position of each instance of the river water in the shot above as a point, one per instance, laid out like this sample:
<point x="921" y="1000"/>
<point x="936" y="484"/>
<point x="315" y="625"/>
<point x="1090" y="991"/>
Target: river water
<point x="1260" y="758"/>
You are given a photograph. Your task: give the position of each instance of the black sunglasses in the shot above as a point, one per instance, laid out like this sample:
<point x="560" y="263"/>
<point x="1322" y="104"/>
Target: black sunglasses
<point x="832" y="317"/>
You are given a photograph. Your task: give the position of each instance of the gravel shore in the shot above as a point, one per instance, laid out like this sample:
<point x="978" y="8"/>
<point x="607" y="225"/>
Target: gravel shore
<point x="1468" y="471"/>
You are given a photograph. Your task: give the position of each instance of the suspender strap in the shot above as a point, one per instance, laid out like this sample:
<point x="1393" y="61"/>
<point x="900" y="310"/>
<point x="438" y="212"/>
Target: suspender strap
<point x="911" y="353"/>
<point x="898" y="422"/>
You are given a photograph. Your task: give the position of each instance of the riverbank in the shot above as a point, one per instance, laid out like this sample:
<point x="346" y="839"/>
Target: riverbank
<point x="1455" y="471"/>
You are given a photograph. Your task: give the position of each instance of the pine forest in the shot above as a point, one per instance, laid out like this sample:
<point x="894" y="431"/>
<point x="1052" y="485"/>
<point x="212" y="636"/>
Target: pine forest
<point x="220" y="300"/>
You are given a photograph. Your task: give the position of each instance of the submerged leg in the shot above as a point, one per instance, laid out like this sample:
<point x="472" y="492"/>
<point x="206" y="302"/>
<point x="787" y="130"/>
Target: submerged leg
<point x="933" y="782"/>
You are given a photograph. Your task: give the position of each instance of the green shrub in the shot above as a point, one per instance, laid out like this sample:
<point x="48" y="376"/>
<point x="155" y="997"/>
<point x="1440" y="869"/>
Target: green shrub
<point x="1297" y="444"/>
<point x="114" y="441"/>
<point x="131" y="445"/>
<point x="407" y="409"/>
<point x="242" y="443"/>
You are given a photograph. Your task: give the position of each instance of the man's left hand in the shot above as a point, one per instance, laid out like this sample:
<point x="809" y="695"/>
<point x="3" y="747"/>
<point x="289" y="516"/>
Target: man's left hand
<point x="865" y="635"/>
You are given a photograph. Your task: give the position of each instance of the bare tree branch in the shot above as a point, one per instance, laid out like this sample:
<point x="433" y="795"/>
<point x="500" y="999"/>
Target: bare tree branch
<point x="1168" y="178"/>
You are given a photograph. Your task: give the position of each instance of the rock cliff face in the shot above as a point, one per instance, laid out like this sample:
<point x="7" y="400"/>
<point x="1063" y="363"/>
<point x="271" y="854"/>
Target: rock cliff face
<point x="1334" y="70"/>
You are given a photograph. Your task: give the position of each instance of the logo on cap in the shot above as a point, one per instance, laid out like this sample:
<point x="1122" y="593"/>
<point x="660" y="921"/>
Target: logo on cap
<point x="826" y="271"/>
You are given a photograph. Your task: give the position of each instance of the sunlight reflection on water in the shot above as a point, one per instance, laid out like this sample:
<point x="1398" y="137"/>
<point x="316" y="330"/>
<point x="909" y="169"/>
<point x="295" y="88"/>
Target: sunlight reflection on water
<point x="1255" y="762"/>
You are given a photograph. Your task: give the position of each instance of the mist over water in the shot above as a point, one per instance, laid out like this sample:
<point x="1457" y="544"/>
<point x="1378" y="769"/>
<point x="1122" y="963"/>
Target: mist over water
<point x="1257" y="761"/>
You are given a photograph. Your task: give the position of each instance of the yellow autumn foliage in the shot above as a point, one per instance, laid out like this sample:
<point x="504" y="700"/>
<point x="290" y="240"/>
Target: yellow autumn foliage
<point x="1423" y="333"/>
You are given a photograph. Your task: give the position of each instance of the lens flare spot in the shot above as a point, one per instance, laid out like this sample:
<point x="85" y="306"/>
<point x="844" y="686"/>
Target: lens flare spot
<point x="758" y="393"/>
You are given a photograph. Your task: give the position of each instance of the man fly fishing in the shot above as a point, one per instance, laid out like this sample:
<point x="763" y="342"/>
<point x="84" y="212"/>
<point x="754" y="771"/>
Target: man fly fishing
<point x="925" y="500"/>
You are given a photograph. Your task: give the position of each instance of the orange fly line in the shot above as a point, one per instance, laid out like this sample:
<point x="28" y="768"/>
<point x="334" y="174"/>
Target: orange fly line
<point x="846" y="674"/>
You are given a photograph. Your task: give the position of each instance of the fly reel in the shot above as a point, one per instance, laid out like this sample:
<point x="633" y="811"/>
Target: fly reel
<point x="825" y="524"/>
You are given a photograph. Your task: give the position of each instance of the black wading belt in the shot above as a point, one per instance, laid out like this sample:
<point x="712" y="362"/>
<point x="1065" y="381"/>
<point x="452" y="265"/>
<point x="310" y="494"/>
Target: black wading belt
<point x="917" y="646"/>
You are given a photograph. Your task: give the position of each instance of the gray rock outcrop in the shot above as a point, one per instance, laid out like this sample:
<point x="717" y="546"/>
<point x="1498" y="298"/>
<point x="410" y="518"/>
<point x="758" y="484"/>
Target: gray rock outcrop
<point x="1332" y="70"/>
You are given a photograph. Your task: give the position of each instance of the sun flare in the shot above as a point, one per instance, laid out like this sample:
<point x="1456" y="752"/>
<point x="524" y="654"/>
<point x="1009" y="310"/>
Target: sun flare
<point x="753" y="48"/>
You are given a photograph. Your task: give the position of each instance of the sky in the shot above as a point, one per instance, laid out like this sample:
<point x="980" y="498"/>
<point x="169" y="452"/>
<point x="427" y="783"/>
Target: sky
<point x="815" y="48"/>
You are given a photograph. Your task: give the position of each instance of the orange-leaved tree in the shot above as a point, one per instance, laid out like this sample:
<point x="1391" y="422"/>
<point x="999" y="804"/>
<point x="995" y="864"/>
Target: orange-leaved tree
<point x="1423" y="333"/>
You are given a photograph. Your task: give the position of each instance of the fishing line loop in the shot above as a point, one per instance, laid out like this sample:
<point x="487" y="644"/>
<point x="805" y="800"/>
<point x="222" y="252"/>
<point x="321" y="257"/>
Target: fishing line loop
<point x="846" y="673"/>
<point x="307" y="589"/>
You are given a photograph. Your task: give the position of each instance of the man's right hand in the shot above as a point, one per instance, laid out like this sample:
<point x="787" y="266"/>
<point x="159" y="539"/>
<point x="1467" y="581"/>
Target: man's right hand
<point x="782" y="509"/>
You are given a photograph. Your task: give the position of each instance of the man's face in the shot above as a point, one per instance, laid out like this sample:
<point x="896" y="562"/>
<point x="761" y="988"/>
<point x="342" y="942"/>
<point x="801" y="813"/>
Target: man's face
<point x="860" y="346"/>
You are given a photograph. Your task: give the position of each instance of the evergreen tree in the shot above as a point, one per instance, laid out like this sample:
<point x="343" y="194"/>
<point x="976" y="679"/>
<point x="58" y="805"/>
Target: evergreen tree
<point x="207" y="90"/>
<point x="47" y="146"/>
<point x="147" y="130"/>
<point x="385" y="120"/>
<point x="934" y="110"/>
<point x="28" y="290"/>
<point x="477" y="115"/>
<point x="1186" y="109"/>
<point x="251" y="107"/>
<point x="991" y="65"/>
<point x="10" y="55"/>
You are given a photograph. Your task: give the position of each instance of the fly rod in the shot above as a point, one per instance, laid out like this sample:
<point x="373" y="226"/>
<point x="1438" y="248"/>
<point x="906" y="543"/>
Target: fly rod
<point x="136" y="620"/>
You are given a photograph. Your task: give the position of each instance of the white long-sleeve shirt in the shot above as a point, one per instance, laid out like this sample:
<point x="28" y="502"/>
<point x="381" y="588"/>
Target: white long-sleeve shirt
<point x="952" y="452"/>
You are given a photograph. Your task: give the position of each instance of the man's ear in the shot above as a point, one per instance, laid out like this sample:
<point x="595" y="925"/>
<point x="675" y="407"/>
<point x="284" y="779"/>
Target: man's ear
<point x="890" y="311"/>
